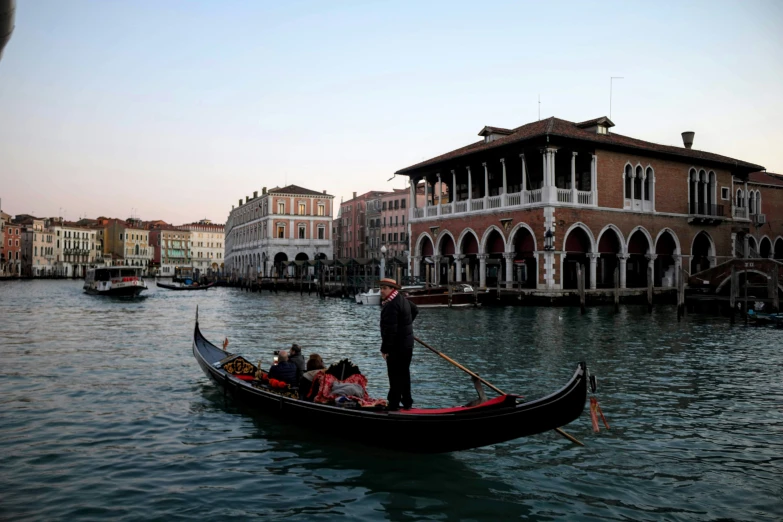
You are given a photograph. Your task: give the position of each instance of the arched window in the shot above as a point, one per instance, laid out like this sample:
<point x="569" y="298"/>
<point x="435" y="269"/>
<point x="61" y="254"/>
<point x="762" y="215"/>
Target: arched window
<point x="758" y="202"/>
<point x="648" y="176"/>
<point x="628" y="181"/>
<point x="739" y="203"/>
<point x="637" y="183"/>
<point x="752" y="202"/>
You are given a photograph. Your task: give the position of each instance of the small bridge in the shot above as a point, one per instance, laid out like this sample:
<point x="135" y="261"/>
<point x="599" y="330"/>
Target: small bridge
<point x="716" y="277"/>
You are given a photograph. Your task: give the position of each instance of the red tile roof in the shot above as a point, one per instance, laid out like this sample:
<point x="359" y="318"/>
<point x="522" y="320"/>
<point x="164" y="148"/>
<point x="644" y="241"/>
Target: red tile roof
<point x="566" y="129"/>
<point x="296" y="190"/>
<point x="768" y="178"/>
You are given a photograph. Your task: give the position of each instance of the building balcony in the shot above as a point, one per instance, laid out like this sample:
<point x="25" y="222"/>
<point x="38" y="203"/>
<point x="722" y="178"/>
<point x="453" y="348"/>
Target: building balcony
<point x="700" y="212"/>
<point x="512" y="201"/>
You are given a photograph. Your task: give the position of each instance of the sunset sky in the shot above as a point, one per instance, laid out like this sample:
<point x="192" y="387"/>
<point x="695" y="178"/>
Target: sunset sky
<point x="174" y="110"/>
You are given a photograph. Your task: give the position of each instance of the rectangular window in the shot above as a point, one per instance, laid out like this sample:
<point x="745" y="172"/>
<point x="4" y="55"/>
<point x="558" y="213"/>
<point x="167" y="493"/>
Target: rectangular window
<point x="384" y="205"/>
<point x="302" y="209"/>
<point x="280" y="207"/>
<point x="301" y="232"/>
<point x="321" y="232"/>
<point x="396" y="220"/>
<point x="321" y="209"/>
<point x="724" y="193"/>
<point x="395" y="237"/>
<point x="403" y="220"/>
<point x="383" y="238"/>
<point x="281" y="232"/>
<point x="396" y="204"/>
<point x="402" y="203"/>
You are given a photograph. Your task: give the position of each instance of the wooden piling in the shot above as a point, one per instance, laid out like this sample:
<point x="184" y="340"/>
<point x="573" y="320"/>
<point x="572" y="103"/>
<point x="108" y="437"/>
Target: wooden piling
<point x="580" y="283"/>
<point x="649" y="289"/>
<point x="733" y="293"/>
<point x="617" y="289"/>
<point x="745" y="286"/>
<point x="775" y="297"/>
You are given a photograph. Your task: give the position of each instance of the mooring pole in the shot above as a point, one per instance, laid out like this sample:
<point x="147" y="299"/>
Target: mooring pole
<point x="616" y="289"/>
<point x="733" y="293"/>
<point x="649" y="289"/>
<point x="746" y="294"/>
<point x="580" y="276"/>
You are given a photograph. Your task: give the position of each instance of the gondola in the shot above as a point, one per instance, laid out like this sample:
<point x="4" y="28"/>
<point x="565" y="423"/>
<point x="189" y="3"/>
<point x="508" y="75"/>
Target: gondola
<point x="184" y="287"/>
<point x="417" y="430"/>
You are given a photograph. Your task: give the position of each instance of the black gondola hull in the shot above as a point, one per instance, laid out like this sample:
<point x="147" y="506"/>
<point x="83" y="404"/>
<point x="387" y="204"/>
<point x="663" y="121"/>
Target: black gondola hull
<point x="413" y="432"/>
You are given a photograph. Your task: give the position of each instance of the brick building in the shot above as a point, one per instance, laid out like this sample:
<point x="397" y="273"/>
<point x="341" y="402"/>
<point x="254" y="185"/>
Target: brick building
<point x="530" y="204"/>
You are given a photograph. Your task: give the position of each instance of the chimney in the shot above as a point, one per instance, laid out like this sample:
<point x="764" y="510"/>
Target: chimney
<point x="354" y="195"/>
<point x="247" y="198"/>
<point x="255" y="194"/>
<point x="240" y="202"/>
<point x="687" y="139"/>
<point x="324" y="192"/>
<point x="263" y="190"/>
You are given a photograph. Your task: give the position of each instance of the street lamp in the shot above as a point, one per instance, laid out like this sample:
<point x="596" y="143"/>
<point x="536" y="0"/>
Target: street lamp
<point x="549" y="238"/>
<point x="383" y="261"/>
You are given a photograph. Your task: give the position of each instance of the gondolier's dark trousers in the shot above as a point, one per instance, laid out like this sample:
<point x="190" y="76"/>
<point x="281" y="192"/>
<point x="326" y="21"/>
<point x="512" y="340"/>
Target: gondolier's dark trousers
<point x="398" y="365"/>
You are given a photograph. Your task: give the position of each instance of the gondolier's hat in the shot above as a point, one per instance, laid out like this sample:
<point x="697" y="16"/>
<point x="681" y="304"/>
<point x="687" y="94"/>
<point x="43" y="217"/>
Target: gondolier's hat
<point x="388" y="281"/>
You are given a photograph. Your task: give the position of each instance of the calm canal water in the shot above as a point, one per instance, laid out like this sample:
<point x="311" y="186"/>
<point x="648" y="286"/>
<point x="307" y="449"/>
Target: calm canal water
<point x="105" y="415"/>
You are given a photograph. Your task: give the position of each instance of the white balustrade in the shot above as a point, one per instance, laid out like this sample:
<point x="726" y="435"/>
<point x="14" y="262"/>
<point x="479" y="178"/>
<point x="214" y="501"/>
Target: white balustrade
<point x="535" y="196"/>
<point x="495" y="202"/>
<point x="447" y="208"/>
<point x="584" y="197"/>
<point x="418" y="212"/>
<point x="461" y="206"/>
<point x="564" y="195"/>
<point x="512" y="200"/>
<point x="476" y="204"/>
<point x="432" y="211"/>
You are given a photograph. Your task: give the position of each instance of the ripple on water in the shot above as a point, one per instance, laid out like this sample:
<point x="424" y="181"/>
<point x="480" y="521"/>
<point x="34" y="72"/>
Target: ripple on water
<point x="105" y="414"/>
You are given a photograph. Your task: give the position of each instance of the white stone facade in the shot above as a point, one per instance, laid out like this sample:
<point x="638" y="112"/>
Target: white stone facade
<point x="284" y="224"/>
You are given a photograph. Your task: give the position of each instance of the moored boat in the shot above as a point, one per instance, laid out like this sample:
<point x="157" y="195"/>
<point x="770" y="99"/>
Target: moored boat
<point x="117" y="281"/>
<point x="371" y="297"/>
<point x="460" y="295"/>
<point x="493" y="421"/>
<point x="192" y="286"/>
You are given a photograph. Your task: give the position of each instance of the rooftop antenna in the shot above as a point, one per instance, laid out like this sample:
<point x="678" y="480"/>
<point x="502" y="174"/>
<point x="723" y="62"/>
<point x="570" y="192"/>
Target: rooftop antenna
<point x="611" y="79"/>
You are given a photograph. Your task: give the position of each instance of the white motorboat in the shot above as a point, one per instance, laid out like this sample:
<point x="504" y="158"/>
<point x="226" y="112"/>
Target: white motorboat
<point x="124" y="281"/>
<point x="371" y="297"/>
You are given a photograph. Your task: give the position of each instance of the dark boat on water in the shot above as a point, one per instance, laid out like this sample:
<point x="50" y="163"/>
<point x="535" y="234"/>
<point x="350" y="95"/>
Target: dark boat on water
<point x="194" y="286"/>
<point x="417" y="430"/>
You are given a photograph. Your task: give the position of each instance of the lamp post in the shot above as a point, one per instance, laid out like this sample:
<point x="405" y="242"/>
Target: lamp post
<point x="383" y="261"/>
<point x="549" y="240"/>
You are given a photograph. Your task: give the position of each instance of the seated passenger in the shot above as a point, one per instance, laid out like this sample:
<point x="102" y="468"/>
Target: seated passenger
<point x="297" y="358"/>
<point x="315" y="365"/>
<point x="284" y="370"/>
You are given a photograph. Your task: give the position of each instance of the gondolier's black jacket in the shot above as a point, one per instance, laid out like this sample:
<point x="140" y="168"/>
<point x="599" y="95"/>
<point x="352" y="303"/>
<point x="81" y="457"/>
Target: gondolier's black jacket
<point x="397" y="325"/>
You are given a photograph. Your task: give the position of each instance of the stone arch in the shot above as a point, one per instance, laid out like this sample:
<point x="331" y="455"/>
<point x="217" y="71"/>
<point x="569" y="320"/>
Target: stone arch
<point x="512" y="236"/>
<point x="587" y="231"/>
<point x="578" y="242"/>
<point x="639" y="245"/>
<point x="752" y="243"/>
<point x="493" y="245"/>
<point x="441" y="242"/>
<point x="702" y="252"/>
<point x="778" y="247"/>
<point x="522" y="244"/>
<point x="765" y="247"/>
<point x="616" y="230"/>
<point x="420" y="243"/>
<point x="608" y="245"/>
<point x="487" y="234"/>
<point x="461" y="242"/>
<point x="673" y="236"/>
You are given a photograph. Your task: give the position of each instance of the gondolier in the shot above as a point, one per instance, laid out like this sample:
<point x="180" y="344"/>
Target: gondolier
<point x="397" y="316"/>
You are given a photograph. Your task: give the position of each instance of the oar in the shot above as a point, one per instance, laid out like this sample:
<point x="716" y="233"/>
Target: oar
<point x="492" y="386"/>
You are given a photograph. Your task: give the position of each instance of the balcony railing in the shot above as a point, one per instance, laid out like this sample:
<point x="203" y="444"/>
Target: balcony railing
<point x="476" y="204"/>
<point x="460" y="206"/>
<point x="741" y="212"/>
<point x="703" y="209"/>
<point x="564" y="195"/>
<point x="584" y="197"/>
<point x="534" y="196"/>
<point x="495" y="202"/>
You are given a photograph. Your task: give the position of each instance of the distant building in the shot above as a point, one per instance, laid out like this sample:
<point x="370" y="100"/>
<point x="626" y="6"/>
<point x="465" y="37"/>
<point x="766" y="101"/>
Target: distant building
<point x="207" y="246"/>
<point x="75" y="248"/>
<point x="265" y="232"/>
<point x="171" y="249"/>
<point x="128" y="243"/>
<point x="10" y="257"/>
<point x="350" y="226"/>
<point x="37" y="247"/>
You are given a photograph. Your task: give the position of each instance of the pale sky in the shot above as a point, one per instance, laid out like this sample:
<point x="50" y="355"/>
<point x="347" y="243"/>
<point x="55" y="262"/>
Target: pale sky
<point x="176" y="109"/>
